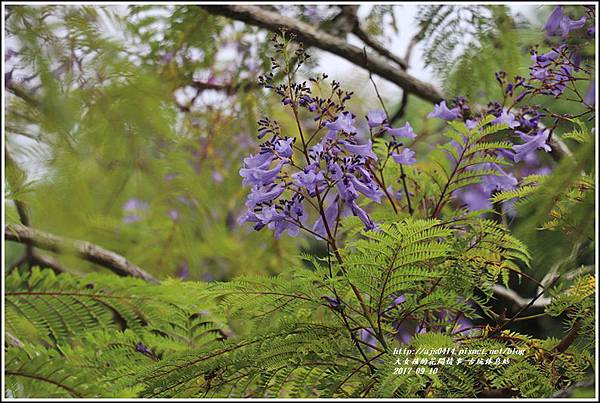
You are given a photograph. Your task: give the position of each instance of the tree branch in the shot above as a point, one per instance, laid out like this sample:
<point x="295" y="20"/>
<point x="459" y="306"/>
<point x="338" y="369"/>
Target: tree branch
<point x="518" y="301"/>
<point x="378" y="47"/>
<point x="559" y="149"/>
<point x="569" y="391"/>
<point x="22" y="93"/>
<point x="86" y="250"/>
<point x="311" y="36"/>
<point x="569" y="337"/>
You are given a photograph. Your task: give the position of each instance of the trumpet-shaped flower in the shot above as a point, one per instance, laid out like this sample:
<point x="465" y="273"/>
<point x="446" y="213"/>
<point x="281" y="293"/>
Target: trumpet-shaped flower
<point x="404" y="157"/>
<point x="441" y="111"/>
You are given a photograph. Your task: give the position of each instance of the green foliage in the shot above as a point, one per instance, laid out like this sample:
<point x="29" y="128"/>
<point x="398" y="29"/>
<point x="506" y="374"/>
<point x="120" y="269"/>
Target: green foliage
<point x="470" y="41"/>
<point x="111" y="131"/>
<point x="556" y="218"/>
<point x="463" y="161"/>
<point x="81" y="337"/>
<point x="286" y="338"/>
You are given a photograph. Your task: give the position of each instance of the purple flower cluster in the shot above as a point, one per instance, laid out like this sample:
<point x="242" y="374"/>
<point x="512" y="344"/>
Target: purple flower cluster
<point x="551" y="74"/>
<point x="332" y="173"/>
<point x="377" y="119"/>
<point x="553" y="70"/>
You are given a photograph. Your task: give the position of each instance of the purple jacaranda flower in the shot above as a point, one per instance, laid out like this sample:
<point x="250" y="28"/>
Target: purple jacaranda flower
<point x="331" y="213"/>
<point x="577" y="59"/>
<point x="463" y="326"/>
<point x="553" y="70"/>
<point x="456" y="322"/>
<point x="376" y="118"/>
<point x="505" y="153"/>
<point x="530" y="120"/>
<point x="329" y="136"/>
<point x="502" y="181"/>
<point x="346" y="188"/>
<point x="167" y="57"/>
<point x="184" y="271"/>
<point x="403" y="336"/>
<point x="216" y="176"/>
<point x="362" y="214"/>
<point x="9" y="54"/>
<point x="276" y="221"/>
<point x="545" y="59"/>
<point x="286" y="216"/>
<point x="404" y="157"/>
<point x="173" y="214"/>
<point x="367" y="188"/>
<point x="560" y="24"/>
<point x="170" y="177"/>
<point x="553" y="24"/>
<point x="471" y="124"/>
<point x="293" y="211"/>
<point x="530" y="159"/>
<point x="264" y="194"/>
<point x="344" y="122"/>
<point x="135" y="204"/>
<point x="441" y="111"/>
<point x="560" y="79"/>
<point x="283" y="147"/>
<point x="332" y="302"/>
<point x="539" y="73"/>
<point x="250" y="216"/>
<point x="405" y="131"/>
<point x="530" y="168"/>
<point x="590" y="96"/>
<point x="364" y="150"/>
<point x="567" y="25"/>
<point x="532" y="143"/>
<point x="335" y="171"/>
<point x="260" y="160"/>
<point x="258" y="176"/>
<point x="456" y="146"/>
<point x="591" y="31"/>
<point x="141" y="348"/>
<point x="506" y="118"/>
<point x="367" y="336"/>
<point x="397" y="301"/>
<point x="475" y="198"/>
<point x="509" y="88"/>
<point x="135" y="207"/>
<point x="310" y="180"/>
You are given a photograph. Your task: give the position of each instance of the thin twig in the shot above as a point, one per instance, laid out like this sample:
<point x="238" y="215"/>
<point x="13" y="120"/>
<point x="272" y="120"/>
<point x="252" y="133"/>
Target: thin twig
<point x="402" y="174"/>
